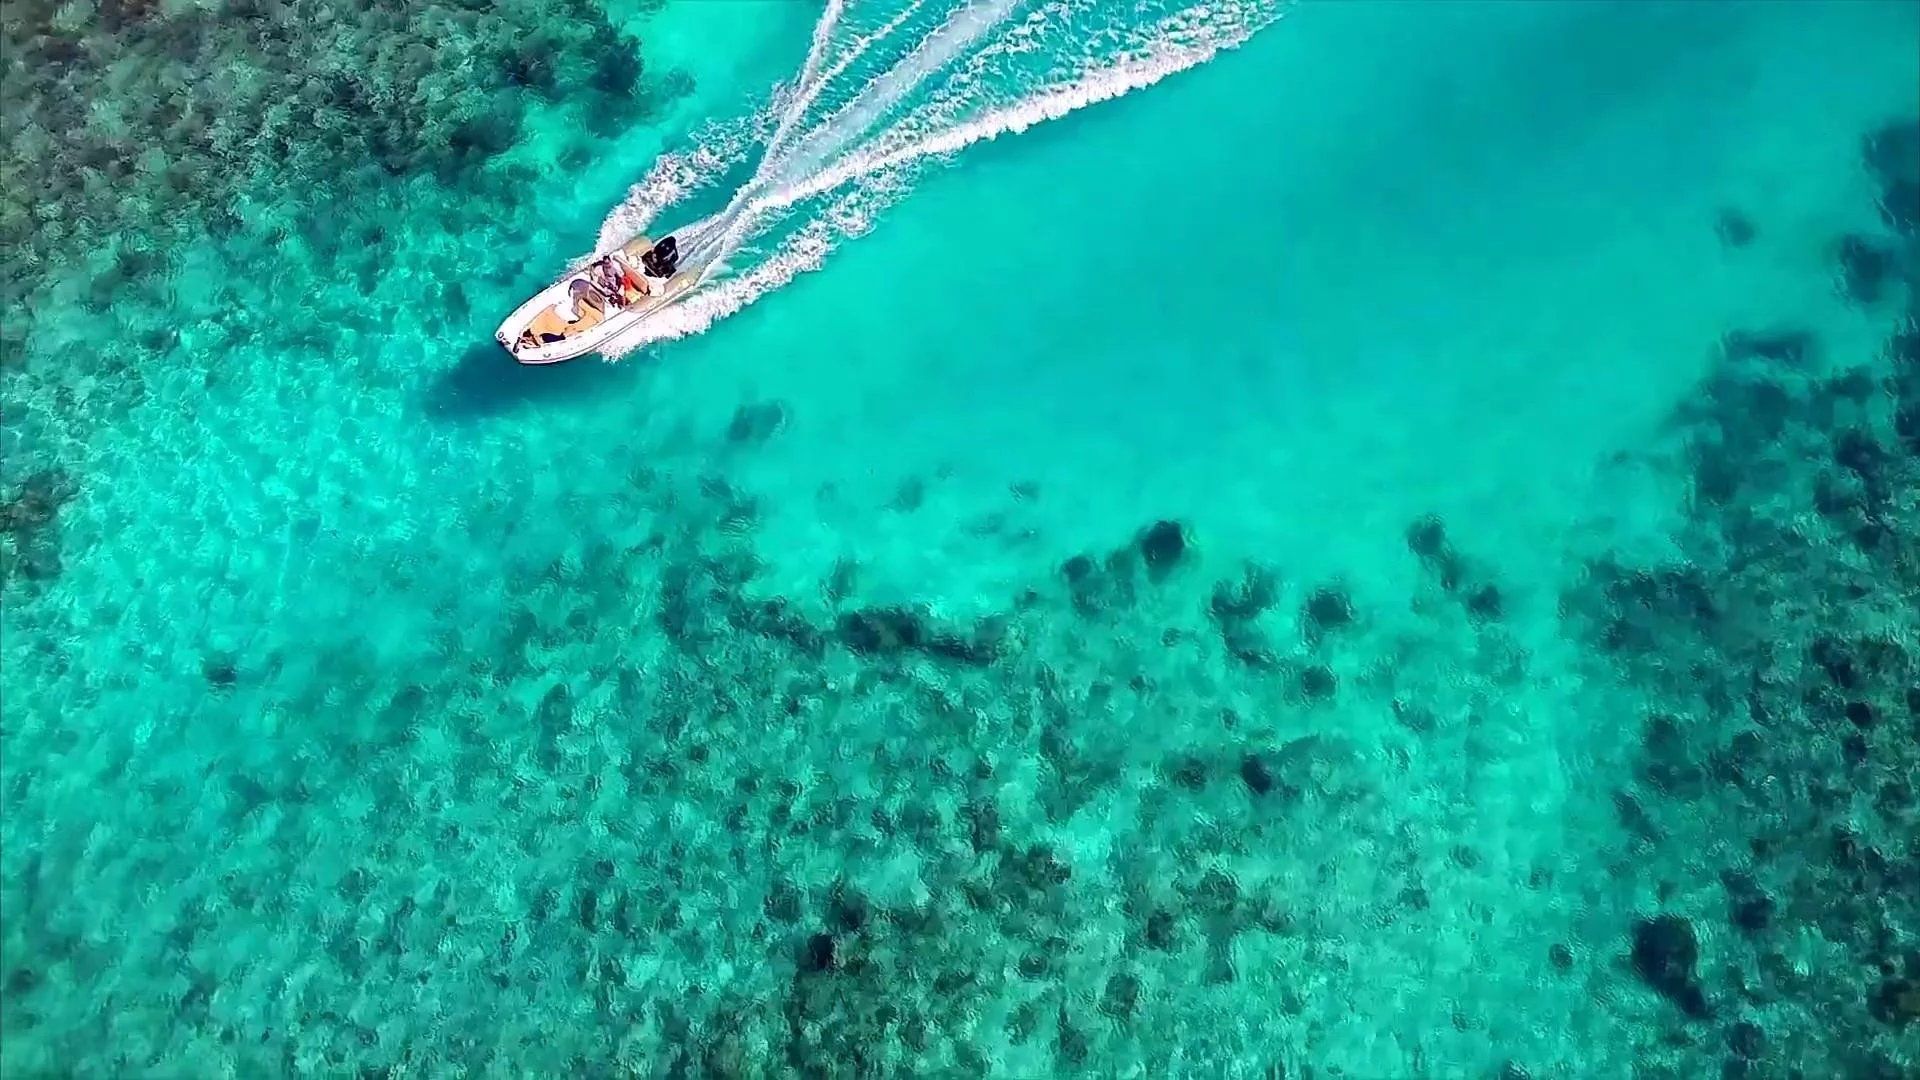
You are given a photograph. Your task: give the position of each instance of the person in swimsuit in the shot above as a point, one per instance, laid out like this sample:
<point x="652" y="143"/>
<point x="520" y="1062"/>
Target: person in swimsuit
<point x="607" y="277"/>
<point x="632" y="286"/>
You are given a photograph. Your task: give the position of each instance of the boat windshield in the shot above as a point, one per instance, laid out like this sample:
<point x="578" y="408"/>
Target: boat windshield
<point x="586" y="290"/>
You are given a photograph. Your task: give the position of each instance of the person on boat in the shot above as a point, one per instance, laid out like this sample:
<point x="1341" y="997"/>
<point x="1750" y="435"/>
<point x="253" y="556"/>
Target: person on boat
<point x="588" y="306"/>
<point x="596" y="276"/>
<point x="607" y="276"/>
<point x="622" y="280"/>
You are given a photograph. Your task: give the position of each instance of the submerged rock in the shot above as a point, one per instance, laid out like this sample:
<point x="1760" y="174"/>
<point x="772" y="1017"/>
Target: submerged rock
<point x="1866" y="268"/>
<point x="1665" y="955"/>
<point x="1753" y="914"/>
<point x="882" y="630"/>
<point x="757" y="422"/>
<point x="1245" y="599"/>
<point x="1427" y="538"/>
<point x="778" y="619"/>
<point x="1414" y="717"/>
<point x="1900" y="205"/>
<point x="1100" y="586"/>
<point x="34" y="506"/>
<point x="1329" y="608"/>
<point x="1906" y="424"/>
<point x="819" y="955"/>
<point x="1903" y="348"/>
<point x="910" y="496"/>
<point x="1896" y="1001"/>
<point x="889" y="630"/>
<point x="1735" y="229"/>
<point x="1793" y="347"/>
<point x="1318" y="683"/>
<point x="1163" y="545"/>
<point x="1645" y="606"/>
<point x="618" y="68"/>
<point x="476" y="140"/>
<point x="29" y="519"/>
<point x="1485" y="603"/>
<point x="1892" y="155"/>
<point x="220" y="672"/>
<point x="1667" y="762"/>
<point x="1856" y="451"/>
<point x="1083" y="581"/>
<point x="1122" y="996"/>
<point x="1162" y="932"/>
<point x="1255" y="774"/>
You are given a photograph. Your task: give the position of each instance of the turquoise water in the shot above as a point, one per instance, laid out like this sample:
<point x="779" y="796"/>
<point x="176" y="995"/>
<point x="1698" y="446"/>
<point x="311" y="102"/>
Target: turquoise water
<point x="1387" y="552"/>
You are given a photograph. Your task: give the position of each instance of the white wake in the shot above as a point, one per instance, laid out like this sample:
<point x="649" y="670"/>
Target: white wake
<point x="874" y="105"/>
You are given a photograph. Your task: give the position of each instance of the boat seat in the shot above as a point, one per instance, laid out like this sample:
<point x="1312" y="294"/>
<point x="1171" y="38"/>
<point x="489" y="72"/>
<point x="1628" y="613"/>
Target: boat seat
<point x="548" y="323"/>
<point x="592" y="313"/>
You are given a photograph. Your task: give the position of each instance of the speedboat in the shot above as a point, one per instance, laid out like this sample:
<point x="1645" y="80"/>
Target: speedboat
<point x="600" y="301"/>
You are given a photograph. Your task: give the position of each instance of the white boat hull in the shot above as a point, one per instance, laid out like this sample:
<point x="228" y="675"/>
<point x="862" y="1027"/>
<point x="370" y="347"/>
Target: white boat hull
<point x="578" y="340"/>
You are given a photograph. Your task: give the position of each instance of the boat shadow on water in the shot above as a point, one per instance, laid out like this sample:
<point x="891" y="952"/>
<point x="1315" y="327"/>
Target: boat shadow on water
<point x="486" y="382"/>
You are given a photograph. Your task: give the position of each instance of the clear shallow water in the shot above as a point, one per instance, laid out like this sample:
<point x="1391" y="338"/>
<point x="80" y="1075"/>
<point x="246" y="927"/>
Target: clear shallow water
<point x="394" y="707"/>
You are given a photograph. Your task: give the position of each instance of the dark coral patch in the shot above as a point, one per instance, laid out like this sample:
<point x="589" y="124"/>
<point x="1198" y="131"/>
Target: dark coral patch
<point x="1734" y="228"/>
<point x="1665" y="956"/>
<point x="1866" y="268"/>
<point x="1163" y="546"/>
<point x="1329" y="608"/>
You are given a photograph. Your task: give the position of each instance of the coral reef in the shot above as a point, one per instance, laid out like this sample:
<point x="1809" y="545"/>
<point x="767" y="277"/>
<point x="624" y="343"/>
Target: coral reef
<point x="1783" y="735"/>
<point x="630" y="804"/>
<point x="136" y="142"/>
<point x="29" y="545"/>
<point x="254" y="93"/>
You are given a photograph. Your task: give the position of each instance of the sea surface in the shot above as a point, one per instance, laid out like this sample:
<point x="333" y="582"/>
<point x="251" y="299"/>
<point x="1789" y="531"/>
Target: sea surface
<point x="1337" y="539"/>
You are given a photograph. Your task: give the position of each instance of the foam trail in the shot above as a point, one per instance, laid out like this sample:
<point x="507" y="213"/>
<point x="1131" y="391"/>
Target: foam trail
<point x="872" y="101"/>
<point x="1103" y="85"/>
<point x="1123" y="79"/>
<point x="1178" y="43"/>
<point x="807" y="86"/>
<point x="673" y="177"/>
<point x="939" y="49"/>
<point x="809" y="92"/>
<point x="721" y="147"/>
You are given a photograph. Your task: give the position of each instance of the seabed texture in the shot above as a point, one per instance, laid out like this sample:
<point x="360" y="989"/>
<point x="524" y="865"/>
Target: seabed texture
<point x="344" y="739"/>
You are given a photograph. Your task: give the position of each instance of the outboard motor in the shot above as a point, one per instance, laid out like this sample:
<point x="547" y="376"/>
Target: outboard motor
<point x="662" y="259"/>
